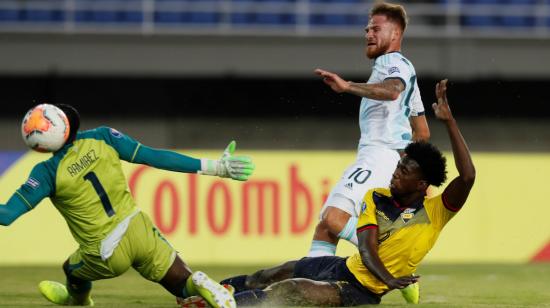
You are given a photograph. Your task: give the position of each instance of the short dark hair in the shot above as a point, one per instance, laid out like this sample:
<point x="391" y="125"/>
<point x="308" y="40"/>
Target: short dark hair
<point x="431" y="161"/>
<point x="74" y="120"/>
<point x="393" y="12"/>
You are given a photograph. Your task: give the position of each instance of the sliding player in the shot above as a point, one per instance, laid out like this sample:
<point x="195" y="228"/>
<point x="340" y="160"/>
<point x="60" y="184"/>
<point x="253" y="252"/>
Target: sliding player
<point x="85" y="182"/>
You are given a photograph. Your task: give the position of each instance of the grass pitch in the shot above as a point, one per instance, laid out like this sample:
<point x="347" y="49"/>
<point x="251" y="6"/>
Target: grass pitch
<point x="484" y="285"/>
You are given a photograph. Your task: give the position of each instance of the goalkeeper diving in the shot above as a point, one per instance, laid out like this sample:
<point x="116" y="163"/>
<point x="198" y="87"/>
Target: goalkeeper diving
<point x="85" y="182"/>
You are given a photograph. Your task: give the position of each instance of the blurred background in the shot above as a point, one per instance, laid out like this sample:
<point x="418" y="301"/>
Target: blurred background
<point x="194" y="74"/>
<point x="173" y="72"/>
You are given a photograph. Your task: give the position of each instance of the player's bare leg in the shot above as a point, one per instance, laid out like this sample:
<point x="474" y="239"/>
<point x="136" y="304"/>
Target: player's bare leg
<point x="175" y="279"/>
<point x="295" y="292"/>
<point x="182" y="283"/>
<point x="262" y="278"/>
<point x="335" y="224"/>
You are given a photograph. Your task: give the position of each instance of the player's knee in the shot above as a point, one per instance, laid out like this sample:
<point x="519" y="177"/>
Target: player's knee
<point x="334" y="214"/>
<point x="322" y="225"/>
<point x="262" y="278"/>
<point x="288" y="267"/>
<point x="255" y="279"/>
<point x="259" y="278"/>
<point x="334" y="220"/>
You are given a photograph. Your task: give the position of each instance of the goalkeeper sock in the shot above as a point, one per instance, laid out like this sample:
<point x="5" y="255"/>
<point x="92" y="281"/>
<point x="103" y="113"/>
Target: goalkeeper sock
<point x="250" y="297"/>
<point x="189" y="288"/>
<point x="348" y="233"/>
<point x="238" y="282"/>
<point x="321" y="249"/>
<point x="80" y="291"/>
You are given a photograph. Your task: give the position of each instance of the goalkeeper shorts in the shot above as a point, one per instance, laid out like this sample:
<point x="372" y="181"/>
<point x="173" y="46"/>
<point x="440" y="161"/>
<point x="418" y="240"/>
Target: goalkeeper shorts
<point x="142" y="247"/>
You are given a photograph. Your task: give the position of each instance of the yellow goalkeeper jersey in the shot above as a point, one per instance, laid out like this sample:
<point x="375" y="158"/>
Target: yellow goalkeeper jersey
<point x="86" y="184"/>
<point x="406" y="235"/>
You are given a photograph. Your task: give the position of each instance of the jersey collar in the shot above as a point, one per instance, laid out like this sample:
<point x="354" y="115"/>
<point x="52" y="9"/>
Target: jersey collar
<point x="387" y="53"/>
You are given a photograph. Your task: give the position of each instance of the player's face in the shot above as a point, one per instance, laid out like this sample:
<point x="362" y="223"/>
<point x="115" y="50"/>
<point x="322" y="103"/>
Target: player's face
<point x="406" y="178"/>
<point x="379" y="34"/>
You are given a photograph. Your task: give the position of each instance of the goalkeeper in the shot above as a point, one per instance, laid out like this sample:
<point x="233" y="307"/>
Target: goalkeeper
<point x="85" y="182"/>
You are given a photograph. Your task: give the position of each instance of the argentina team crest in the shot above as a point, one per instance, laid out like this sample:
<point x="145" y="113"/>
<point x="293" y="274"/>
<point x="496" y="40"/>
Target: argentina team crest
<point x="407" y="214"/>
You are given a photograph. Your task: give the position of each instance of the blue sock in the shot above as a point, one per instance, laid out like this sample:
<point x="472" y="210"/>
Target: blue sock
<point x="238" y="282"/>
<point x="250" y="297"/>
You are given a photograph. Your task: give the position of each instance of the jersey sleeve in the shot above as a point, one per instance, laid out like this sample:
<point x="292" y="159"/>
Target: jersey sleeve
<point x="438" y="211"/>
<point x="39" y="185"/>
<point x="134" y="152"/>
<point x="126" y="146"/>
<point x="13" y="209"/>
<point x="397" y="69"/>
<point x="367" y="218"/>
<point x="417" y="107"/>
<point x="167" y="160"/>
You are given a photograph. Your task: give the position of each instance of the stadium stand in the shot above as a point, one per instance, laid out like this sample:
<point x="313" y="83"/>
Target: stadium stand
<point x="290" y="16"/>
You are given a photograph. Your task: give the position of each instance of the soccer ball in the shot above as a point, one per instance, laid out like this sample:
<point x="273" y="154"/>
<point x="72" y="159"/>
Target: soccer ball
<point x="45" y="128"/>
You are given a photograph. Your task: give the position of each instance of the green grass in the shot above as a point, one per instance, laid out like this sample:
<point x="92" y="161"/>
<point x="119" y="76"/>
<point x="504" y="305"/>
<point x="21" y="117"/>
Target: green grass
<point x="484" y="285"/>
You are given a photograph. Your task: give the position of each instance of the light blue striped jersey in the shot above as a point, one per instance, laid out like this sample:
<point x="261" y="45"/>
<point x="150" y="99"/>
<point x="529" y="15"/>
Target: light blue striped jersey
<point x="386" y="123"/>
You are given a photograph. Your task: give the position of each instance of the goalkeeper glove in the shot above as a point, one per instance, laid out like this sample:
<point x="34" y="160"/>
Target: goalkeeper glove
<point x="228" y="166"/>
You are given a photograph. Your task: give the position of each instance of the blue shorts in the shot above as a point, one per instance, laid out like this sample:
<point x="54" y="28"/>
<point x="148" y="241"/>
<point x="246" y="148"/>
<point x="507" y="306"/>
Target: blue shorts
<point x="334" y="270"/>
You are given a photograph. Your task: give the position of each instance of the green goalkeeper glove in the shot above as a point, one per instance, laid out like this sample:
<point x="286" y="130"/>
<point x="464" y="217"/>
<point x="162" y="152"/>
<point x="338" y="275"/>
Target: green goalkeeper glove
<point x="228" y="166"/>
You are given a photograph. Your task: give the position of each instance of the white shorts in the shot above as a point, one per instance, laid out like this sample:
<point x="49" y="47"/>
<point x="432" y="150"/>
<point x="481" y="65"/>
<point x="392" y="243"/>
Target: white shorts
<point x="373" y="168"/>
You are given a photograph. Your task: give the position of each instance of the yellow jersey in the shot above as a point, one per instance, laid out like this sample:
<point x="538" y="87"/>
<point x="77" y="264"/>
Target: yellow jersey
<point x="406" y="235"/>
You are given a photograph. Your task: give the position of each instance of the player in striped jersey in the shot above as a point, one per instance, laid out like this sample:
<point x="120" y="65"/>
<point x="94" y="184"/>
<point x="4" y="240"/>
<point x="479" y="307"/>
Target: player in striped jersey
<point x="391" y="115"/>
<point x="85" y="182"/>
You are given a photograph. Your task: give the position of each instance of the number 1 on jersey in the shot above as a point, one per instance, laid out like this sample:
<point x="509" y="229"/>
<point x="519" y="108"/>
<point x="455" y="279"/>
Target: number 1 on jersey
<point x="90" y="176"/>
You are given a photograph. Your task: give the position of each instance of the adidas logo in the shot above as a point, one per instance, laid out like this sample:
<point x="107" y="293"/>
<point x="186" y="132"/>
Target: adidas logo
<point x="349" y="186"/>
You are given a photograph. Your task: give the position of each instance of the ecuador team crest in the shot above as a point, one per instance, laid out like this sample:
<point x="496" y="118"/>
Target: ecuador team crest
<point x="407" y="214"/>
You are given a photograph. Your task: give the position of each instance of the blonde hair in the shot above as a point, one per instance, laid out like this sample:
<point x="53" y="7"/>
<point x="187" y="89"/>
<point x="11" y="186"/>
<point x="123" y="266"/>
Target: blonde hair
<point x="393" y="12"/>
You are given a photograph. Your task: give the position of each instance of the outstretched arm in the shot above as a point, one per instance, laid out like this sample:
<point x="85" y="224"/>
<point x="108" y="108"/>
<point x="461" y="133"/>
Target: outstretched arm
<point x="458" y="190"/>
<point x="166" y="160"/>
<point x="228" y="166"/>
<point x="38" y="186"/>
<point x="388" y="90"/>
<point x="368" y="248"/>
<point x="12" y="210"/>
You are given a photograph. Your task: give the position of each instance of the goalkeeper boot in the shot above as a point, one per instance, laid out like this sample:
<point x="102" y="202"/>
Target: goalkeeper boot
<point x="411" y="293"/>
<point x="197" y="301"/>
<point x="216" y="295"/>
<point x="57" y="293"/>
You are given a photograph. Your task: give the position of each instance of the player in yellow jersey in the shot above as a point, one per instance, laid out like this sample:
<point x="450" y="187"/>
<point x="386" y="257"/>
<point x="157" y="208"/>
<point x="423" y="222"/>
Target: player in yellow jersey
<point x="85" y="182"/>
<point x="397" y="227"/>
